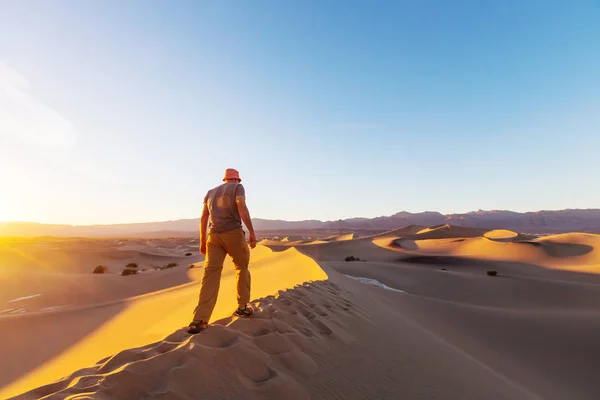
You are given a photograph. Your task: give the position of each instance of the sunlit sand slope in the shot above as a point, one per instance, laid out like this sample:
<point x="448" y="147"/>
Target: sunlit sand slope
<point x="81" y="255"/>
<point x="131" y="323"/>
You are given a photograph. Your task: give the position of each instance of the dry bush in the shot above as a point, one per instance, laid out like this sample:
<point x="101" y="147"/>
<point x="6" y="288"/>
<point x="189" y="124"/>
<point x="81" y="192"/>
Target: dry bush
<point x="129" y="271"/>
<point x="100" y="269"/>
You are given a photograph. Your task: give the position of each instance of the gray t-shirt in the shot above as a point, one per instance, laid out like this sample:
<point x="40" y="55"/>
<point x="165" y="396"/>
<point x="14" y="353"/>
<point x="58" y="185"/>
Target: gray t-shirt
<point x="224" y="214"/>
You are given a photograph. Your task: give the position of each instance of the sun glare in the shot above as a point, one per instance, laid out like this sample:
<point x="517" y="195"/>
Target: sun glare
<point x="7" y="213"/>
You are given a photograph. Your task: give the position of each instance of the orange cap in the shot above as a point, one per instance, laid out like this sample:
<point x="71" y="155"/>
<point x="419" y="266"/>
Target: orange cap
<point x="231" y="173"/>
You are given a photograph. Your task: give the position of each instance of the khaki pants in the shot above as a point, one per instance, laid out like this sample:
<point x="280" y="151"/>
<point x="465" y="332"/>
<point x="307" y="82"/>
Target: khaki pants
<point x="218" y="246"/>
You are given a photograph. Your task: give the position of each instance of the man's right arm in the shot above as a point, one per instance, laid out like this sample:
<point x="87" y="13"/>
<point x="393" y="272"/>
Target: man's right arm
<point x="245" y="215"/>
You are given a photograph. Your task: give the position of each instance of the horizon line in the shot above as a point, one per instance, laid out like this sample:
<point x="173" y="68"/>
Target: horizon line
<point x="301" y="220"/>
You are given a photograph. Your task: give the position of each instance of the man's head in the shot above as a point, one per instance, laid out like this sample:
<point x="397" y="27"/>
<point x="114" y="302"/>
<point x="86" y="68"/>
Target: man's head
<point x="232" y="175"/>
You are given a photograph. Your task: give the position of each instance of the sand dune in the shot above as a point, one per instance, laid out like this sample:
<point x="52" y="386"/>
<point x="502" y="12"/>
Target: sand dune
<point x="535" y="326"/>
<point x="448" y="231"/>
<point x="317" y="242"/>
<point x="81" y="256"/>
<point x="261" y="357"/>
<point x="407" y="230"/>
<point x="301" y="241"/>
<point x="60" y="270"/>
<point x="129" y="323"/>
<point x="580" y="253"/>
<point x="418" y="318"/>
<point x="287" y="242"/>
<point x="315" y="341"/>
<point x="500" y="234"/>
<point x="337" y="238"/>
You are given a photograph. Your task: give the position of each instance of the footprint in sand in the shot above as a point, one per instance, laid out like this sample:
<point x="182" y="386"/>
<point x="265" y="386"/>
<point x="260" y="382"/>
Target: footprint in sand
<point x="217" y="337"/>
<point x="319" y="311"/>
<point x="273" y="343"/>
<point x="285" y="301"/>
<point x="346" y="305"/>
<point x="120" y="359"/>
<point x="164" y="347"/>
<point x="282" y="327"/>
<point x="323" y="328"/>
<point x="298" y="293"/>
<point x="307" y="313"/>
<point x="298" y="362"/>
<point x="255" y="327"/>
<point x="306" y="332"/>
<point x="253" y="365"/>
<point x="327" y="305"/>
<point x="253" y="374"/>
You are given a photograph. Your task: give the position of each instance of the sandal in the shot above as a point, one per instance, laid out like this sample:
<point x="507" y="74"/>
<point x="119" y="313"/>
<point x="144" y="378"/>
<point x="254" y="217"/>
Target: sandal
<point x="197" y="327"/>
<point x="244" y="312"/>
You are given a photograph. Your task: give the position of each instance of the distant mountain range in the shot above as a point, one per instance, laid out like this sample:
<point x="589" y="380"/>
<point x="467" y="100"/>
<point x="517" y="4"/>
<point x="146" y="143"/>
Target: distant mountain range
<point x="570" y="220"/>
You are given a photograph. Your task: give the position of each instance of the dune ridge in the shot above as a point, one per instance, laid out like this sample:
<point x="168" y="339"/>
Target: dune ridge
<point x="131" y="322"/>
<point x="321" y="340"/>
<point x="260" y="356"/>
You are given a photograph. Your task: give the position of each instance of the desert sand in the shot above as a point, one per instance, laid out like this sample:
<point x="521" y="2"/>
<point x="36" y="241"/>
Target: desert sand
<point x="416" y="318"/>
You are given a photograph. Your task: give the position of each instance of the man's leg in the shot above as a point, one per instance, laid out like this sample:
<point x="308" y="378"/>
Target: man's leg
<point x="236" y="246"/>
<point x="211" y="280"/>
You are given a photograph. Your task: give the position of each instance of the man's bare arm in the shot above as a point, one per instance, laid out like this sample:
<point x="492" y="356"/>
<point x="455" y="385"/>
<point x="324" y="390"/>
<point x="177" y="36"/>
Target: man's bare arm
<point x="244" y="212"/>
<point x="245" y="215"/>
<point x="204" y="223"/>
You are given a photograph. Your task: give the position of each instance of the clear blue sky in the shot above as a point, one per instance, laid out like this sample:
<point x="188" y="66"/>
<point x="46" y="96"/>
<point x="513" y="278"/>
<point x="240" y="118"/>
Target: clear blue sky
<point x="127" y="111"/>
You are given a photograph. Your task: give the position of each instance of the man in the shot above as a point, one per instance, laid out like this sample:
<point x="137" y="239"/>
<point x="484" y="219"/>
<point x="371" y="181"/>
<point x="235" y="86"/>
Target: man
<point x="221" y="234"/>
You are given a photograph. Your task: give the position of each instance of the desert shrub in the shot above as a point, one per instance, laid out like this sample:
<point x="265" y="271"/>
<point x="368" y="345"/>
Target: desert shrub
<point x="352" y="258"/>
<point x="163" y="267"/>
<point x="131" y="265"/>
<point x="129" y="271"/>
<point x="100" y="269"/>
<point x="492" y="273"/>
<point x="188" y="254"/>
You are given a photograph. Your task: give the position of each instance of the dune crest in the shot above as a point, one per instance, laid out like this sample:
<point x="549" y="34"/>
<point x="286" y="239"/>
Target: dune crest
<point x="143" y="319"/>
<point x="236" y="358"/>
<point x="448" y="231"/>
<point x="500" y="234"/>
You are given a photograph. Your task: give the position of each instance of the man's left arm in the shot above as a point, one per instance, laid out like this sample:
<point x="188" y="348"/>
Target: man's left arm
<point x="240" y="200"/>
<point x="204" y="228"/>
